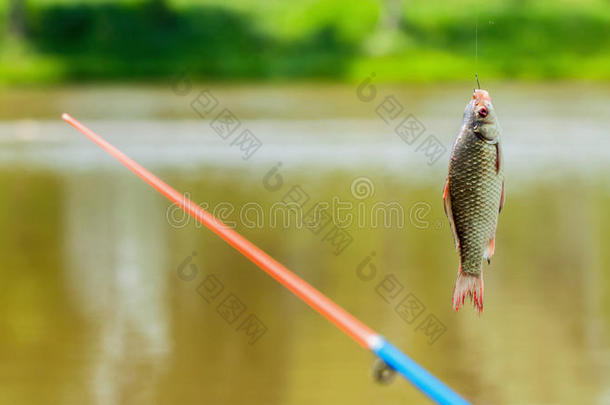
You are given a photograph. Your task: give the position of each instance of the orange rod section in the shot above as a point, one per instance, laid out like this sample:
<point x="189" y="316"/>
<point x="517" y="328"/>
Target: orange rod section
<point x="315" y="299"/>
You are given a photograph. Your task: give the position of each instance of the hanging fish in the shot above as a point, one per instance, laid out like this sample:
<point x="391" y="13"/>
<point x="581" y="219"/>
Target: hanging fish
<point x="474" y="196"/>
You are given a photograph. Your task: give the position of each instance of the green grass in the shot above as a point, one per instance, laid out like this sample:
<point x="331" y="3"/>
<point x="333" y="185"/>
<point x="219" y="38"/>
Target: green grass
<point x="68" y="40"/>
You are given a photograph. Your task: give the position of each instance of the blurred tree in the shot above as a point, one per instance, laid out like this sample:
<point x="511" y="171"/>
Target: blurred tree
<point x="159" y="10"/>
<point x="388" y="37"/>
<point x="16" y="18"/>
<point x="390" y="15"/>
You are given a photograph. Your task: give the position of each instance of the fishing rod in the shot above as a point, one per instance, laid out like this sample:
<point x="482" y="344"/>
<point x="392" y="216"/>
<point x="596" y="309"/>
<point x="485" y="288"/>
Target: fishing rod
<point x="358" y="331"/>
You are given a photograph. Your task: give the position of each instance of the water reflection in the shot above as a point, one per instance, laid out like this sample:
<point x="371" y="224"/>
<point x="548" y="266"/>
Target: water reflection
<point x="114" y="279"/>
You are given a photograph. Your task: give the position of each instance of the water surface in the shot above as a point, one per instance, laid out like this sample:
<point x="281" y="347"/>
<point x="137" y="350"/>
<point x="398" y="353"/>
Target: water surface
<point x="102" y="295"/>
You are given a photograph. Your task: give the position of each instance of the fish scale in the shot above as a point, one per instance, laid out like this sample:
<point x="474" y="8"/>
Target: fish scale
<point x="475" y="190"/>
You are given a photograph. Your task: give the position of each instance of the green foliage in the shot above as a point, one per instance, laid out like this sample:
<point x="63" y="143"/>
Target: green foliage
<point x="156" y="39"/>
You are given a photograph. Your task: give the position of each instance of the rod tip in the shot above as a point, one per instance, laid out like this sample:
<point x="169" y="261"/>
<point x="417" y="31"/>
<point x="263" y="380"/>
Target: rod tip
<point x="65" y="117"/>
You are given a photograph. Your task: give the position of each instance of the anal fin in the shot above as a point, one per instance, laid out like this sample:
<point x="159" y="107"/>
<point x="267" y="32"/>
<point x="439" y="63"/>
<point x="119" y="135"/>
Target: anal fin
<point x="489" y="250"/>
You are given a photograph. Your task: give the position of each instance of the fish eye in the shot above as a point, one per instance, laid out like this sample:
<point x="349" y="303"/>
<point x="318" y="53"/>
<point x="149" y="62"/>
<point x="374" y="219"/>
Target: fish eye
<point x="483" y="112"/>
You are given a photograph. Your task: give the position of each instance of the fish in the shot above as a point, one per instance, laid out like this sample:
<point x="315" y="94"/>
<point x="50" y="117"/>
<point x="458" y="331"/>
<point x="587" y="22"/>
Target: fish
<point x="474" y="196"/>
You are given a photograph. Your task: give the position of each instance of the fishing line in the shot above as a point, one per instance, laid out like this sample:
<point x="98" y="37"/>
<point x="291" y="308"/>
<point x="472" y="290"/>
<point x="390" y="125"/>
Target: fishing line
<point x="350" y="325"/>
<point x="476" y="45"/>
<point x="476" y="39"/>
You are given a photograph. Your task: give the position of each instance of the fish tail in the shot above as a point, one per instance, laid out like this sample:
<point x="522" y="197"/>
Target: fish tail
<point x="471" y="285"/>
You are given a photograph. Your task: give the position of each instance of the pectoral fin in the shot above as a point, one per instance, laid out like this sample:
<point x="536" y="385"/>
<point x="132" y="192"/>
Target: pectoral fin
<point x="449" y="213"/>
<point x="498" y="157"/>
